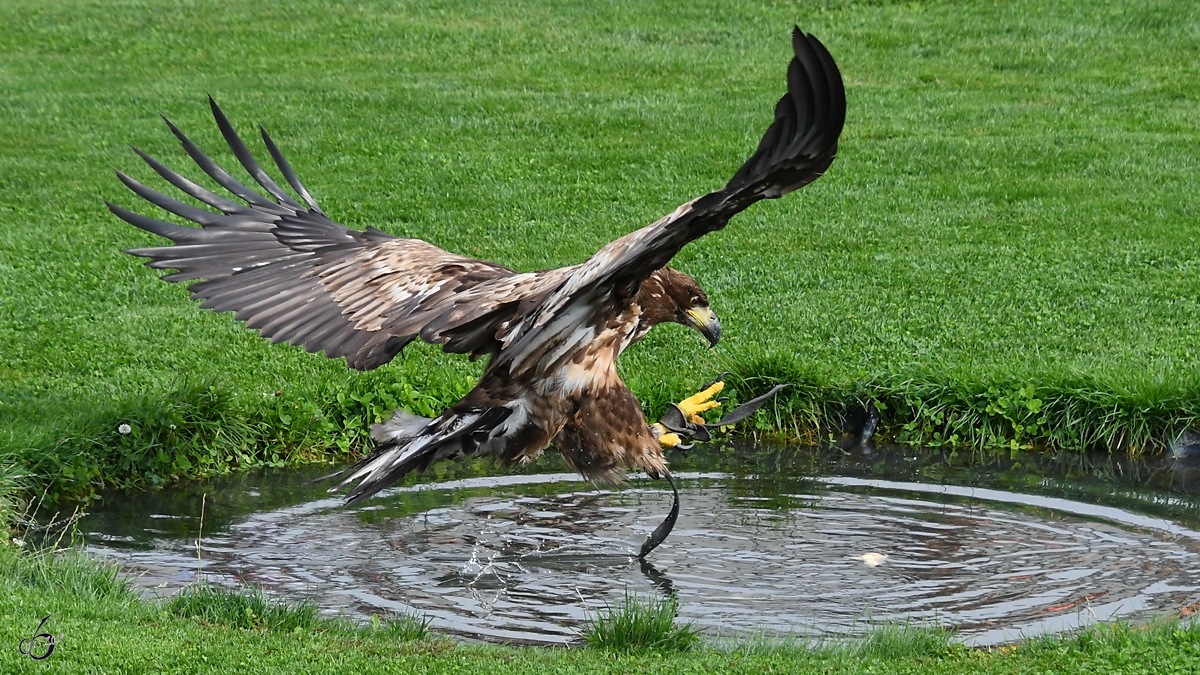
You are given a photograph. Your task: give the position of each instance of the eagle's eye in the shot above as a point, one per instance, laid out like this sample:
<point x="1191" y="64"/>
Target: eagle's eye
<point x="694" y="301"/>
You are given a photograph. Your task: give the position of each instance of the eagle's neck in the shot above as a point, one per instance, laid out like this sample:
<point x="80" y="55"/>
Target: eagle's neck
<point x="654" y="305"/>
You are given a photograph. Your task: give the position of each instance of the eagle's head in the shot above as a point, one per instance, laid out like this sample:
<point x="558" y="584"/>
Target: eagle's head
<point x="671" y="295"/>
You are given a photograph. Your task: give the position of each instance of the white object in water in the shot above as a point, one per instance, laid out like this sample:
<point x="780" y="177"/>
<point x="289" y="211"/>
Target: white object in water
<point x="872" y="559"/>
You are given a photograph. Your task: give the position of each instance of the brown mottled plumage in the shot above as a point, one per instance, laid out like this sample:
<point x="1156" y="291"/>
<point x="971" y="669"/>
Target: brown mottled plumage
<point x="551" y="338"/>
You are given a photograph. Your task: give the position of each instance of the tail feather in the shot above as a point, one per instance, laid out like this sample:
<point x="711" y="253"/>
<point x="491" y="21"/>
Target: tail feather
<point x="412" y="443"/>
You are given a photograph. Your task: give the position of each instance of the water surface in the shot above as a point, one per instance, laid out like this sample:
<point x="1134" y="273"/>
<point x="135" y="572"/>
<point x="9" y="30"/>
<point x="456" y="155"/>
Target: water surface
<point x="770" y="540"/>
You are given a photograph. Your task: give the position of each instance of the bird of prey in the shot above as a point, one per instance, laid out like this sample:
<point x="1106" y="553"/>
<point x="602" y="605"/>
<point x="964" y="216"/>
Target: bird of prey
<point x="551" y="338"/>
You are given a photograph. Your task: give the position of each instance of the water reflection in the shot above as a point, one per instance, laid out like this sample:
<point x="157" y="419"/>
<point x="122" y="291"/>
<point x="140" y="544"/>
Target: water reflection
<point x="769" y="540"/>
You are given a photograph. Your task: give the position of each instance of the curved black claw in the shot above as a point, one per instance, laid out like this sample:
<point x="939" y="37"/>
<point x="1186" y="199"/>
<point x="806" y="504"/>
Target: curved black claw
<point x="664" y="528"/>
<point x="720" y="378"/>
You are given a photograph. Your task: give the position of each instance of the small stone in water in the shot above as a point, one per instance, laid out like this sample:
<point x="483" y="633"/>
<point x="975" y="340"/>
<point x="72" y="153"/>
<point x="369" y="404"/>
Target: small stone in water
<point x="872" y="559"/>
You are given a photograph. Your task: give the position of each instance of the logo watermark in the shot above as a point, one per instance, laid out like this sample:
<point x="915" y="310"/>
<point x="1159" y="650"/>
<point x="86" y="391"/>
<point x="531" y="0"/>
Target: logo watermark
<point x="41" y="645"/>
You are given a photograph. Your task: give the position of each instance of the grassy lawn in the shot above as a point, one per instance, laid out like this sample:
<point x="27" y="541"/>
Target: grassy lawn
<point x="104" y="628"/>
<point x="1004" y="253"/>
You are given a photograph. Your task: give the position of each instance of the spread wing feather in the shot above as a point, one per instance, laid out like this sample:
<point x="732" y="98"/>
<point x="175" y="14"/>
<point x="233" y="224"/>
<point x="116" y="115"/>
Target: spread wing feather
<point x="293" y="274"/>
<point x="795" y="150"/>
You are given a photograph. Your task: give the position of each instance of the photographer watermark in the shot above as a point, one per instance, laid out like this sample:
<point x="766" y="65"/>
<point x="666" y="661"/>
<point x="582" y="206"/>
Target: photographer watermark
<point x="41" y="645"/>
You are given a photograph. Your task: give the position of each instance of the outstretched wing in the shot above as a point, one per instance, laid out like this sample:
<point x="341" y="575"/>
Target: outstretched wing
<point x="289" y="271"/>
<point x="795" y="150"/>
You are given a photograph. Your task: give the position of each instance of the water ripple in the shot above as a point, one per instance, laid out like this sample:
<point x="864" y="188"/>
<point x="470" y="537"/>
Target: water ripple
<point x="528" y="557"/>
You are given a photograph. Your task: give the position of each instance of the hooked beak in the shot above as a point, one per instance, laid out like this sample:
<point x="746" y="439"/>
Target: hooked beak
<point x="703" y="320"/>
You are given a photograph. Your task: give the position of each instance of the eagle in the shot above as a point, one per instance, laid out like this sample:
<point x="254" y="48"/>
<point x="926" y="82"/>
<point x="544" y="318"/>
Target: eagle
<point x="550" y="338"/>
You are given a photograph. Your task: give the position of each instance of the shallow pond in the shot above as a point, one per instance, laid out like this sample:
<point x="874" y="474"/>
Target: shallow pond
<point x="770" y="540"/>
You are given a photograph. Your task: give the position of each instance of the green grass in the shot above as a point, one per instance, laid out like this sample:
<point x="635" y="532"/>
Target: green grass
<point x="640" y="623"/>
<point x="879" y="642"/>
<point x="75" y="578"/>
<point x="105" y="628"/>
<point x="890" y="641"/>
<point x="1004" y="253"/>
<point x="14" y="492"/>
<point x="251" y="609"/>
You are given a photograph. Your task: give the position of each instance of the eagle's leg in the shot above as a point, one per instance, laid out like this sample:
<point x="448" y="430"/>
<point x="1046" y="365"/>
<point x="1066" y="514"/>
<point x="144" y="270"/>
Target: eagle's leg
<point x="664" y="528"/>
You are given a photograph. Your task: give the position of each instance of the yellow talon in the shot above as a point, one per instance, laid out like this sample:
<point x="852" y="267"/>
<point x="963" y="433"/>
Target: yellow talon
<point x="692" y="406"/>
<point x="665" y="436"/>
